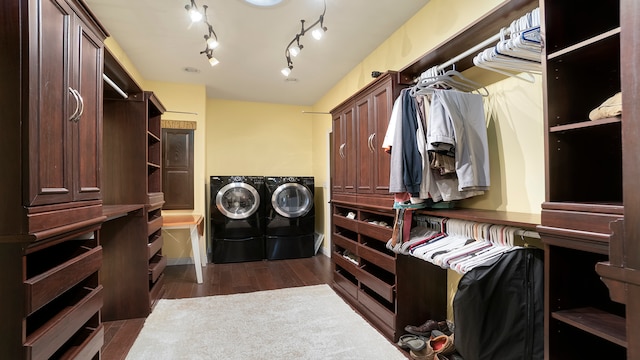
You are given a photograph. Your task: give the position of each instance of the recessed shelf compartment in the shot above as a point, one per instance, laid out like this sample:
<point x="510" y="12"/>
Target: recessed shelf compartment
<point x="597" y="322"/>
<point x="155" y="243"/>
<point x="157" y="264"/>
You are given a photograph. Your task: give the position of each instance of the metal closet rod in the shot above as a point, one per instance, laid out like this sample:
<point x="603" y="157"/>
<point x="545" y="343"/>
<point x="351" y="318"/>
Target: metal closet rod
<point x="115" y="86"/>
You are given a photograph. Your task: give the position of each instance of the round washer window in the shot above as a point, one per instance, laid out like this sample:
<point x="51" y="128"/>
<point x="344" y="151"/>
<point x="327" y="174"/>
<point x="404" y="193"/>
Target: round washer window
<point x="292" y="200"/>
<point x="237" y="200"/>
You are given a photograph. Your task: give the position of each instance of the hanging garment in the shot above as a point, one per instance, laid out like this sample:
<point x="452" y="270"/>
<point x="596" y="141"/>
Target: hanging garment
<point x="393" y="140"/>
<point x="411" y="156"/>
<point x="457" y="124"/>
<point x="499" y="308"/>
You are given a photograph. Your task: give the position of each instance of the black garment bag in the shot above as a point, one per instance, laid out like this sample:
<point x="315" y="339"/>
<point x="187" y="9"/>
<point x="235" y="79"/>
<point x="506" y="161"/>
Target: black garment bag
<point x="499" y="308"/>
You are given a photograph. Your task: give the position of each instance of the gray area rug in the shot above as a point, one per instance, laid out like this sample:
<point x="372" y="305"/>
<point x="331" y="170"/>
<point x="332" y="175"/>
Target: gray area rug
<point x="309" y="322"/>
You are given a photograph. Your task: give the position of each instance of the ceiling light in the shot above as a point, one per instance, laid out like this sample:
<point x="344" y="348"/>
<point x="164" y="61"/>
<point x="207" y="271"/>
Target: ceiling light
<point x="194" y="14"/>
<point x="294" y="47"/>
<point x="211" y="39"/>
<point x="264" y="3"/>
<point x="212" y="61"/>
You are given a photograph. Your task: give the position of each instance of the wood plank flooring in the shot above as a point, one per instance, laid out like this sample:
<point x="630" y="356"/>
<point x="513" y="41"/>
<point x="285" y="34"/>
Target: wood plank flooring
<point x="220" y="279"/>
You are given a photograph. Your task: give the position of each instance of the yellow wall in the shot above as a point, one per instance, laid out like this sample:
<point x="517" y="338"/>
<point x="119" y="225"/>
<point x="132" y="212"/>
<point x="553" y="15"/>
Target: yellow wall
<point x="245" y="138"/>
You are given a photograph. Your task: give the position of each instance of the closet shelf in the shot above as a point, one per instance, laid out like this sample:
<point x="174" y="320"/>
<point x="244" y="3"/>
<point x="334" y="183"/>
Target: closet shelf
<point x="586" y="43"/>
<point x="597" y="322"/>
<point x="585" y="125"/>
<point x="522" y="220"/>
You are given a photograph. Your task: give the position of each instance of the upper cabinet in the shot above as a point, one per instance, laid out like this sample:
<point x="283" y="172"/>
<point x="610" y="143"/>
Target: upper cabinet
<point x="360" y="165"/>
<point x="64" y="92"/>
<point x="51" y="95"/>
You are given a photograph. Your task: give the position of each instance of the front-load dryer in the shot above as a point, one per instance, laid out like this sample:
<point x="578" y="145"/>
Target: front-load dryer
<point x="290" y="217"/>
<point x="237" y="218"/>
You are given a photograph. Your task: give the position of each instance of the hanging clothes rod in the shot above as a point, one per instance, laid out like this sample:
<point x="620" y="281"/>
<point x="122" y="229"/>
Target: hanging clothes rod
<point x="114" y="86"/>
<point x="528" y="233"/>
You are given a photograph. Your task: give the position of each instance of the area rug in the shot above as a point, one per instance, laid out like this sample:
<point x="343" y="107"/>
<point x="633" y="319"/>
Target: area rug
<point x="309" y="322"/>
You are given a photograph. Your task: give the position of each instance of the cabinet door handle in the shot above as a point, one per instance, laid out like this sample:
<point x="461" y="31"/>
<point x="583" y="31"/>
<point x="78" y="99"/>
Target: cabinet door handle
<point x="81" y="105"/>
<point x="342" y="150"/>
<point x="75" y="112"/>
<point x="370" y="142"/>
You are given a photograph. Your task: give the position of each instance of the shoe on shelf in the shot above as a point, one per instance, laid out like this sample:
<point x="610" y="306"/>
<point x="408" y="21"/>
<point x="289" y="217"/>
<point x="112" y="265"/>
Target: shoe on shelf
<point x="426" y="353"/>
<point x="412" y="342"/>
<point x="426" y="328"/>
<point x="442" y="344"/>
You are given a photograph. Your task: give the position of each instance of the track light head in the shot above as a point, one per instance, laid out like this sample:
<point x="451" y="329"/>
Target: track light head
<point x="294" y="47"/>
<point x="194" y="14"/>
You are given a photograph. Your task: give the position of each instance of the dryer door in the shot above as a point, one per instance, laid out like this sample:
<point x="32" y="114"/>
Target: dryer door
<point x="237" y="200"/>
<point x="292" y="200"/>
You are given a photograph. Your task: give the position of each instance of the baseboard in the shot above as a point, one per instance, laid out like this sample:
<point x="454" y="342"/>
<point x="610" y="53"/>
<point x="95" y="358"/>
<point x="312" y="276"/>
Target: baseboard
<point x="180" y="261"/>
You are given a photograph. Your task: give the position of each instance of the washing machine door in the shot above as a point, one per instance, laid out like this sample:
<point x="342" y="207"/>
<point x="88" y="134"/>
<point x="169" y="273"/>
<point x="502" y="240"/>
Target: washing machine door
<point x="292" y="200"/>
<point x="237" y="200"/>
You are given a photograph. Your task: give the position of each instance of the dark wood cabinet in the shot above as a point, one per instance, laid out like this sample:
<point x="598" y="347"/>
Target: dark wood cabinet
<point x="584" y="178"/>
<point x="360" y="171"/>
<point x="380" y="284"/>
<point x="51" y="208"/>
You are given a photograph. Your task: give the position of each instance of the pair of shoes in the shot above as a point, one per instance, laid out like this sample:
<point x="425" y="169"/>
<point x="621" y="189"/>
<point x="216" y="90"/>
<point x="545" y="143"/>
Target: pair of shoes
<point x="426" y="328"/>
<point x="442" y="344"/>
<point x="412" y="342"/>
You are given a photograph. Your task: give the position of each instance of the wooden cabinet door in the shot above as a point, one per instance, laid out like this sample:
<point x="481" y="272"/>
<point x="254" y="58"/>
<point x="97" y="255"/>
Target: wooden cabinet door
<point x="86" y="131"/>
<point x="65" y="107"/>
<point x="382" y="99"/>
<point x="51" y="106"/>
<point x="344" y="150"/>
<point x="366" y="153"/>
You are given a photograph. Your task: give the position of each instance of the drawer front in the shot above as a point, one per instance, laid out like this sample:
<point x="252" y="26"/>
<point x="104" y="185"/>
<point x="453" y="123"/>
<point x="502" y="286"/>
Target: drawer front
<point x="155" y="244"/>
<point x="345" y="264"/>
<point x="46" y="340"/>
<point x="345" y="223"/>
<point x="41" y="289"/>
<point x="349" y="287"/>
<point x="373" y="256"/>
<point x="89" y="348"/>
<point x="345" y="243"/>
<point x="380" y="287"/>
<point x="154" y="225"/>
<point x="156" y="267"/>
<point x="582" y="221"/>
<point x="384" y="314"/>
<point x="377" y="232"/>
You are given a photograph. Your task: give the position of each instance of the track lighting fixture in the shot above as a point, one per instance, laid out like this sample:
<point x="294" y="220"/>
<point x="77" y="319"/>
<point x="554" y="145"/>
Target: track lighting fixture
<point x="211" y="39"/>
<point x="294" y="47"/>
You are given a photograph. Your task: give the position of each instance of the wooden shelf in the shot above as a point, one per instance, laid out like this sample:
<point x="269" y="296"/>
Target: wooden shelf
<point x="585" y="43"/>
<point x="522" y="220"/>
<point x="597" y="322"/>
<point x="585" y="125"/>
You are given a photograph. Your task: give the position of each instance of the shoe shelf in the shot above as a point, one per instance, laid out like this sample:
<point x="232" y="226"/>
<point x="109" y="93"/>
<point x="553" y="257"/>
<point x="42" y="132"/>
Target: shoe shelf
<point x="597" y="322"/>
<point x="367" y="274"/>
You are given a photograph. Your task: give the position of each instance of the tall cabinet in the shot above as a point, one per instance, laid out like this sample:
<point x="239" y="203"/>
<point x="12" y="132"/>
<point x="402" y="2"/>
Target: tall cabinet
<point x="584" y="210"/>
<point x="51" y="208"/>
<point x="380" y="284"/>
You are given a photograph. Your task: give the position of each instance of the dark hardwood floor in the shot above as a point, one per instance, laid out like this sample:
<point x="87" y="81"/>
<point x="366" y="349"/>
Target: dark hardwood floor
<point x="220" y="279"/>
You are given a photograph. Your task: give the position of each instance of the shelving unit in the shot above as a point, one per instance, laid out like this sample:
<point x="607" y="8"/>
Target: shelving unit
<point x="133" y="197"/>
<point x="581" y="204"/>
<point x="380" y="284"/>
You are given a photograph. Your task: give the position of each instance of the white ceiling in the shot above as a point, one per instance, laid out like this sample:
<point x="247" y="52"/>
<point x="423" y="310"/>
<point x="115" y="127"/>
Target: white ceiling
<point x="159" y="39"/>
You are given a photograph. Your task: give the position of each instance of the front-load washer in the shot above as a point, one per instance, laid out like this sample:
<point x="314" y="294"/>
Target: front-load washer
<point x="289" y="217"/>
<point x="237" y="218"/>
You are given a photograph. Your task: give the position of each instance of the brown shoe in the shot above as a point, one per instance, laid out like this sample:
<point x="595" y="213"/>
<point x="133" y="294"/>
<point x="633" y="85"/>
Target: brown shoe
<point x="425" y="354"/>
<point x="443" y="344"/>
<point x="426" y="328"/>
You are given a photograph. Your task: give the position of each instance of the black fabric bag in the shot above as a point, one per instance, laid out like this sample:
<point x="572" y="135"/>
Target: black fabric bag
<point x="499" y="308"/>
